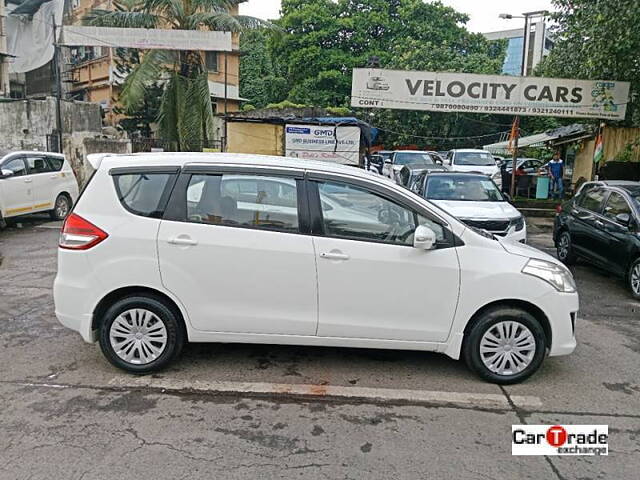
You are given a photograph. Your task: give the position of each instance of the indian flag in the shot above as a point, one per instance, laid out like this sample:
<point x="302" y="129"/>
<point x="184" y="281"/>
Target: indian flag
<point x="598" y="152"/>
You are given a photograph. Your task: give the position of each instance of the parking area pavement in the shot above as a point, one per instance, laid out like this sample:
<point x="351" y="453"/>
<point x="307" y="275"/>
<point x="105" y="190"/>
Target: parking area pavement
<point x="230" y="411"/>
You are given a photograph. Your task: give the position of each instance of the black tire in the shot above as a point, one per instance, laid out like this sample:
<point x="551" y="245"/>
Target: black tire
<point x="564" y="248"/>
<point x="632" y="277"/>
<point x="488" y="320"/>
<point x="167" y="315"/>
<point x="61" y="208"/>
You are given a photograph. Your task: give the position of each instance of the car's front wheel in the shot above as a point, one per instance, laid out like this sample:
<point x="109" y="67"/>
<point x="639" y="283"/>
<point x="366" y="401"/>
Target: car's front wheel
<point x="634" y="279"/>
<point x="141" y="334"/>
<point x="505" y="345"/>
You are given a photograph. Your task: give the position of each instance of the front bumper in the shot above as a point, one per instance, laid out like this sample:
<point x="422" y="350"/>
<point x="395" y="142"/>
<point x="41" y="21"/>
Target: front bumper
<point x="561" y="310"/>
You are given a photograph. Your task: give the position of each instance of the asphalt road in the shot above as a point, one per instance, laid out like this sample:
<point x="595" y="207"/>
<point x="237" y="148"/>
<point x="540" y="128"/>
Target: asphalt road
<point x="67" y="414"/>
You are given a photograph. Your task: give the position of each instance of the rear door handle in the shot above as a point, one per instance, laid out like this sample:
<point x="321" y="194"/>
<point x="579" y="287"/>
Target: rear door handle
<point x="28" y="180"/>
<point x="182" y="240"/>
<point x="334" y="256"/>
<point x="599" y="223"/>
<point x="54" y="176"/>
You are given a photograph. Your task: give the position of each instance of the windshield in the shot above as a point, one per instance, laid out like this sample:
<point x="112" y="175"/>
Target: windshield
<point x="462" y="188"/>
<point x="482" y="159"/>
<point x="412" y="158"/>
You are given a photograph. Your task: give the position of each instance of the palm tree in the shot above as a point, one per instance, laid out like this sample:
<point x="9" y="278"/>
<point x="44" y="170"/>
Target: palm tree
<point x="185" y="115"/>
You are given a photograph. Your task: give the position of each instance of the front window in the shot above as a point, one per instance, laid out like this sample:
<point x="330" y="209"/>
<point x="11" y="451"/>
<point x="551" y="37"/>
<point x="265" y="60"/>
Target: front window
<point x="478" y="159"/>
<point x="462" y="188"/>
<point x="256" y="201"/>
<point x="413" y="158"/>
<point x="358" y="214"/>
<point x="16" y="166"/>
<point x="616" y="205"/>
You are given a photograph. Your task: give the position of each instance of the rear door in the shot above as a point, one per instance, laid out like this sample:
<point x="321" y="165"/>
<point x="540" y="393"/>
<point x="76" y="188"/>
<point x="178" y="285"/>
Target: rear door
<point x="587" y="228"/>
<point x="16" y="190"/>
<point x="234" y="249"/>
<point x="42" y="181"/>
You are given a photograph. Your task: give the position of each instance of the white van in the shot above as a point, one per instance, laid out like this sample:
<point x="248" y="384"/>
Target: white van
<point x="33" y="182"/>
<point x="173" y="247"/>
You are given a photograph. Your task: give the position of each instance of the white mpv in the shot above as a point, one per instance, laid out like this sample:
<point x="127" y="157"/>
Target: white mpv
<point x="173" y="247"/>
<point x="33" y="182"/>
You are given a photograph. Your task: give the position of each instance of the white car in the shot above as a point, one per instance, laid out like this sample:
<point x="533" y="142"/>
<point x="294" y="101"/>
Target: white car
<point x="33" y="182"/>
<point x="170" y="247"/>
<point x="477" y="201"/>
<point x="472" y="160"/>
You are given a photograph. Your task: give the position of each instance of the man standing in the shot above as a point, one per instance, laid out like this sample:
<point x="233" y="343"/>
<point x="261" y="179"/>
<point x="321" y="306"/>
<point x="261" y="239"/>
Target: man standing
<point x="556" y="169"/>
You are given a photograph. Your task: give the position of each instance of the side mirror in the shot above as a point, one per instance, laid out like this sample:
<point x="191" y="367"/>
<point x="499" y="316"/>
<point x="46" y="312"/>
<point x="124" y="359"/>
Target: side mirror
<point x="5" y="173"/>
<point x="438" y="161"/>
<point x="424" y="238"/>
<point x="387" y="161"/>
<point x="623" y="219"/>
<point x="507" y="196"/>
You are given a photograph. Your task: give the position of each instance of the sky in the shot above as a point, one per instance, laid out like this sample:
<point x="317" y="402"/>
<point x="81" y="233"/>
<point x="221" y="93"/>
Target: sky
<point x="483" y="13"/>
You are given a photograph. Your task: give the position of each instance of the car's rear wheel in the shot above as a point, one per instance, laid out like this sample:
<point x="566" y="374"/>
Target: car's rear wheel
<point x="564" y="249"/>
<point x="634" y="279"/>
<point x="140" y="334"/>
<point x="61" y="208"/>
<point x="505" y="345"/>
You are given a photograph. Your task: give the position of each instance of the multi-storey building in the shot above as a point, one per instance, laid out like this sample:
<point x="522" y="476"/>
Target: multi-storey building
<point x="539" y="45"/>
<point x="93" y="69"/>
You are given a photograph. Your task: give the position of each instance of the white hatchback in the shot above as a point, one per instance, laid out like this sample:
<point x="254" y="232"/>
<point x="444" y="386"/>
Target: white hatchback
<point x="167" y="248"/>
<point x="33" y="182"/>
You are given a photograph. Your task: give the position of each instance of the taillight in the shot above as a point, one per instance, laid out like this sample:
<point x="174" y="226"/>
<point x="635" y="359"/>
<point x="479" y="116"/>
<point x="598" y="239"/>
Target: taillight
<point x="80" y="234"/>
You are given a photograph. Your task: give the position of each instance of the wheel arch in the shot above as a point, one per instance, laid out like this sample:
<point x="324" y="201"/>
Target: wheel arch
<point x="123" y="292"/>
<point x="528" y="307"/>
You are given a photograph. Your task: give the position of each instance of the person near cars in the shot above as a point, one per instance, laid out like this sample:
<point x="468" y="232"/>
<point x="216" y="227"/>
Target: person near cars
<point x="556" y="170"/>
<point x="161" y="249"/>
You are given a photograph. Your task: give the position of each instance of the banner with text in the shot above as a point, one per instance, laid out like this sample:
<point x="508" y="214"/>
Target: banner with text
<point x="325" y="143"/>
<point x="465" y="92"/>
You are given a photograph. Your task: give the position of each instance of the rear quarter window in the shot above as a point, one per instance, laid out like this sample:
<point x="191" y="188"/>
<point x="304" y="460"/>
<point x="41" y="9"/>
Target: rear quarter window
<point x="55" y="163"/>
<point x="144" y="194"/>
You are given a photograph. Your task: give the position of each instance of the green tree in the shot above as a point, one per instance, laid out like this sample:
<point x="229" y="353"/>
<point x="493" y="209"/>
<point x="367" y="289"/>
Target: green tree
<point x="261" y="81"/>
<point x="598" y="40"/>
<point x="320" y="41"/>
<point x="185" y="114"/>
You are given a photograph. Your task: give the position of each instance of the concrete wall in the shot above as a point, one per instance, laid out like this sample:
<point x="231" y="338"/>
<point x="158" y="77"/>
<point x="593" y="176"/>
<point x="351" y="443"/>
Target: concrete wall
<point x="25" y="124"/>
<point x="260" y="138"/>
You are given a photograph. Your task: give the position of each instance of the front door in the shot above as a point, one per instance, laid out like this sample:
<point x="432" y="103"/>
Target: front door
<point x="237" y="260"/>
<point x="16" y="190"/>
<point x="618" y="239"/>
<point x="372" y="282"/>
<point x="586" y="229"/>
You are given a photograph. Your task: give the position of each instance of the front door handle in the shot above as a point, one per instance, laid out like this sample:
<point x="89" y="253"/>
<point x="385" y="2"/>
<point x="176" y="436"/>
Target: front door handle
<point x="182" y="240"/>
<point x="28" y="180"/>
<point x="599" y="224"/>
<point x="334" y="256"/>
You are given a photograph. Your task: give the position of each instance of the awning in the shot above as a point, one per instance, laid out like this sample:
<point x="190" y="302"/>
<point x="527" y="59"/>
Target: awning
<point x="216" y="89"/>
<point x="567" y="133"/>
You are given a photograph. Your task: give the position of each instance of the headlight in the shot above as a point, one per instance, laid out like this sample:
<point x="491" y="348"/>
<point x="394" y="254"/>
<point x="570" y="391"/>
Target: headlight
<point x="554" y="274"/>
<point x="518" y="223"/>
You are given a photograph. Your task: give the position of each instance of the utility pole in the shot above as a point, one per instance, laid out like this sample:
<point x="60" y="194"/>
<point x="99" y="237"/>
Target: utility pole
<point x="523" y="73"/>
<point x="226" y="71"/>
<point x="58" y="83"/>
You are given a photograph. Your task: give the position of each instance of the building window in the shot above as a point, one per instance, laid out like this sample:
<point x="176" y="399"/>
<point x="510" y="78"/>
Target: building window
<point x="211" y="61"/>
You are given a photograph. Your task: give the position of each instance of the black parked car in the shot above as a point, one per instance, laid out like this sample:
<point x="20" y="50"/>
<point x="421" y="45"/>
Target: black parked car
<point x="412" y="176"/>
<point x="602" y="225"/>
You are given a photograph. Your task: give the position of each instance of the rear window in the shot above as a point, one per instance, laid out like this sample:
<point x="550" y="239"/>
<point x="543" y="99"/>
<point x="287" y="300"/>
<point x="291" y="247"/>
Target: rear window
<point x="592" y="200"/>
<point x="143" y="194"/>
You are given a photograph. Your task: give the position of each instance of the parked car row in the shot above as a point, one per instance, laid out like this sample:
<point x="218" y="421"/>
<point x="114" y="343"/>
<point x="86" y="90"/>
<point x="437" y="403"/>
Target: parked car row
<point x="162" y="249"/>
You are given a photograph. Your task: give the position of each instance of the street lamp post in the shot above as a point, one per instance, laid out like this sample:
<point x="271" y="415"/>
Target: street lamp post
<point x="523" y="72"/>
